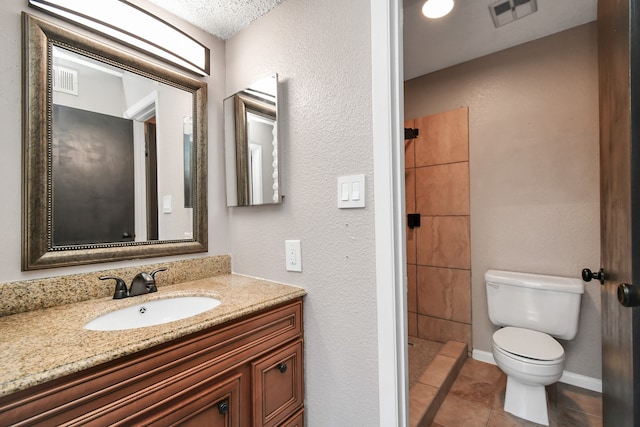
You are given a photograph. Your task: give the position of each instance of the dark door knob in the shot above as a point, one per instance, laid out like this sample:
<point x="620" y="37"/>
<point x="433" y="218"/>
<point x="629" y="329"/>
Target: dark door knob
<point x="588" y="275"/>
<point x="629" y="295"/>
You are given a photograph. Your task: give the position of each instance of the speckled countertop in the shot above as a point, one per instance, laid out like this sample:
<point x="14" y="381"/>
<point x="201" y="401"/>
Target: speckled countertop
<point x="41" y="345"/>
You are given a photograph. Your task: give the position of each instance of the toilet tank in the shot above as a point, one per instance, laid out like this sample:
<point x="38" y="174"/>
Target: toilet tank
<point x="547" y="304"/>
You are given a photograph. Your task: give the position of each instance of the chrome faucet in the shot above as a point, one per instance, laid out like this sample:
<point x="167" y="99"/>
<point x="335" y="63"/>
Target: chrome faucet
<point x="142" y="283"/>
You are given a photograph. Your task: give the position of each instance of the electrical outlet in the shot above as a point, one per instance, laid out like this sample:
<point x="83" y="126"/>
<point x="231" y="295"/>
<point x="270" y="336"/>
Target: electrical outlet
<point x="293" y="255"/>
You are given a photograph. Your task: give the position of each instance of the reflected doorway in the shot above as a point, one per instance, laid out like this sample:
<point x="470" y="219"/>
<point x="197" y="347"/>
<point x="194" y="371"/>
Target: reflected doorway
<point x="151" y="177"/>
<point x="92" y="158"/>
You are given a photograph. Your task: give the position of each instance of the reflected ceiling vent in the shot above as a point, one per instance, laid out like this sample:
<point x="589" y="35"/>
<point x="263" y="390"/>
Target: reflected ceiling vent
<point x="505" y="11"/>
<point x="65" y="80"/>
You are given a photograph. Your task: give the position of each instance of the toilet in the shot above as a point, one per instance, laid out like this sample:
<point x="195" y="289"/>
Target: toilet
<point x="531" y="310"/>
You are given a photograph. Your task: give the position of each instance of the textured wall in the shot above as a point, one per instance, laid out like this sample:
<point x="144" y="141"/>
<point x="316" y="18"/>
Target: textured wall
<point x="533" y="141"/>
<point x="321" y="50"/>
<point x="10" y="149"/>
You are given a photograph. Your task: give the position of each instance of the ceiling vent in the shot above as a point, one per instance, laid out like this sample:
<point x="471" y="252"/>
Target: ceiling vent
<point x="65" y="80"/>
<point x="505" y="11"/>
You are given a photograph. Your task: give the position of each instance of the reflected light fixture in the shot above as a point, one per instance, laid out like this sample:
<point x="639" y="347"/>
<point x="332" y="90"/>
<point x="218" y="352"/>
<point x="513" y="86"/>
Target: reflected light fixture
<point x="131" y="25"/>
<point x="435" y="9"/>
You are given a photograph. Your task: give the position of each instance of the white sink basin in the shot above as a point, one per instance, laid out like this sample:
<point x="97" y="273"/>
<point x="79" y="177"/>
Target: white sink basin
<point x="152" y="313"/>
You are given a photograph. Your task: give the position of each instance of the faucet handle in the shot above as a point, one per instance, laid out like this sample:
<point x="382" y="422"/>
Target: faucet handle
<point x="152" y="286"/>
<point x="121" y="287"/>
<point x="157" y="270"/>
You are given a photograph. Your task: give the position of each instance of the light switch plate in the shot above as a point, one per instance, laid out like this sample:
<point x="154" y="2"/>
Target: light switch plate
<point x="166" y="204"/>
<point x="351" y="192"/>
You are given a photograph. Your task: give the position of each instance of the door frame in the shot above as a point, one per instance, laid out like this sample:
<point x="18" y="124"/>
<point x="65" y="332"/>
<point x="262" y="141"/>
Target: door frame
<point x="388" y="175"/>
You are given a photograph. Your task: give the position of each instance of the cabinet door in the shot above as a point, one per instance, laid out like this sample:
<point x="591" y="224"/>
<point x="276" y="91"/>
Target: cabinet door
<point x="278" y="387"/>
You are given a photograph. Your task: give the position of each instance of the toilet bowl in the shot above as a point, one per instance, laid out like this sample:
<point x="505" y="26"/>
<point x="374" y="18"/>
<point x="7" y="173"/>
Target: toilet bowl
<point x="531" y="310"/>
<point x="531" y="360"/>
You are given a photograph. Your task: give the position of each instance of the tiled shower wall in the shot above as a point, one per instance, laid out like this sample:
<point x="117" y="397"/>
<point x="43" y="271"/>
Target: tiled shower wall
<point x="438" y="252"/>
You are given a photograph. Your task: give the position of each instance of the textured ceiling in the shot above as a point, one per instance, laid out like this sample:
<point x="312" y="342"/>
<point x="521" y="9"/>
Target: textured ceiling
<point x="466" y="33"/>
<point x="222" y="18"/>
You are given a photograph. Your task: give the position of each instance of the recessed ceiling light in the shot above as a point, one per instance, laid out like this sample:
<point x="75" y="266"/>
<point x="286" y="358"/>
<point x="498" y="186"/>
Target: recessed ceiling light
<point x="435" y="9"/>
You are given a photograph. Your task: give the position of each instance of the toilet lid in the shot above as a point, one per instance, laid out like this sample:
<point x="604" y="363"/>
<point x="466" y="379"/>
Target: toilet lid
<point x="528" y="343"/>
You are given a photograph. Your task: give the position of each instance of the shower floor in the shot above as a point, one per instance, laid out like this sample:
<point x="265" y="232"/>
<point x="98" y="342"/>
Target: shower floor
<point x="421" y="353"/>
<point x="433" y="367"/>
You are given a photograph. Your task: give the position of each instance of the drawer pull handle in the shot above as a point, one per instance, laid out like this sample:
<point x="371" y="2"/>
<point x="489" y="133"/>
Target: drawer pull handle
<point x="223" y="407"/>
<point x="282" y="367"/>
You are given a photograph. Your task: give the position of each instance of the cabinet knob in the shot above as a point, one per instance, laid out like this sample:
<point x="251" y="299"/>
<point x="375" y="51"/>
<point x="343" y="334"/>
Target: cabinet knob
<point x="223" y="407"/>
<point x="282" y="367"/>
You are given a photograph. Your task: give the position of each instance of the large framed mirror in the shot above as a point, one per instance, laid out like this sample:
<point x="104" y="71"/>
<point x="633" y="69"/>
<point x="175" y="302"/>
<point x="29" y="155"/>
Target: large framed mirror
<point x="114" y="153"/>
<point x="252" y="151"/>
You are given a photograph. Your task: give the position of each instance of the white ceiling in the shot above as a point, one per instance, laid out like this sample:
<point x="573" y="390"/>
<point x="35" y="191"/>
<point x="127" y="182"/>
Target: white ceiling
<point x="466" y="33"/>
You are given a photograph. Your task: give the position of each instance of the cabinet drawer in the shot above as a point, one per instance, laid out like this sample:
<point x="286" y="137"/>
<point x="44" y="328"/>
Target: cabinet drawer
<point x="212" y="404"/>
<point x="278" y="385"/>
<point x="297" y="420"/>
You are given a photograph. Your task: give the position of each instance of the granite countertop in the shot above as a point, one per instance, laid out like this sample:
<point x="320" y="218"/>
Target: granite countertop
<point x="41" y="345"/>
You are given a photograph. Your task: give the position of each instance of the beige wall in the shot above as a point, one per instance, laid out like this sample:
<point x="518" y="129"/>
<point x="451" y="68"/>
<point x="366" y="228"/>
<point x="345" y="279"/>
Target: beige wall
<point x="321" y="50"/>
<point x="533" y="141"/>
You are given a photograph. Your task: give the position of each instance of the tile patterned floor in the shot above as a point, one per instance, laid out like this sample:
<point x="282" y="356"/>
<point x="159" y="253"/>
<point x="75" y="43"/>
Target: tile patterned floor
<point x="476" y="398"/>
<point x="421" y="354"/>
<point x="432" y="385"/>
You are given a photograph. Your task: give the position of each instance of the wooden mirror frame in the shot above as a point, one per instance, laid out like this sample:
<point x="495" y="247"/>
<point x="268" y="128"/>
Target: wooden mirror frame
<point x="38" y="39"/>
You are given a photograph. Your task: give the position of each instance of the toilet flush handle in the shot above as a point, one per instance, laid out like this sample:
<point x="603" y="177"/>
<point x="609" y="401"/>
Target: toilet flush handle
<point x="588" y="275"/>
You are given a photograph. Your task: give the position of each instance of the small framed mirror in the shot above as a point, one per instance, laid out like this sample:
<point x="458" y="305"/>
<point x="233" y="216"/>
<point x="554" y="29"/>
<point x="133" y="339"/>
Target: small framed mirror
<point x="114" y="153"/>
<point x="252" y="151"/>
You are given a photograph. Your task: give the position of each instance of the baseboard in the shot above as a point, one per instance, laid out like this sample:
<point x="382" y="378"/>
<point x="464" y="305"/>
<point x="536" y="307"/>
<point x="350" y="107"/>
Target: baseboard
<point x="483" y="356"/>
<point x="582" y="381"/>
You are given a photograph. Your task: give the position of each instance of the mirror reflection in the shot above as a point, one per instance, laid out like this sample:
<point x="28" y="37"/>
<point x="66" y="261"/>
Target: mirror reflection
<point x="251" y="145"/>
<point x="118" y="155"/>
<point x="114" y="153"/>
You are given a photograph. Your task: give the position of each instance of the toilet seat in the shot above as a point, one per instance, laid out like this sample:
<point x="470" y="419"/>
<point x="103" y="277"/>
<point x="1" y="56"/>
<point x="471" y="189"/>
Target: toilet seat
<point x="528" y="346"/>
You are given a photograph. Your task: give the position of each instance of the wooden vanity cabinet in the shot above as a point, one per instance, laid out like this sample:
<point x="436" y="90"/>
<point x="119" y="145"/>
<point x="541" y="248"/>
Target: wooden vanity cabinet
<point x="247" y="372"/>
